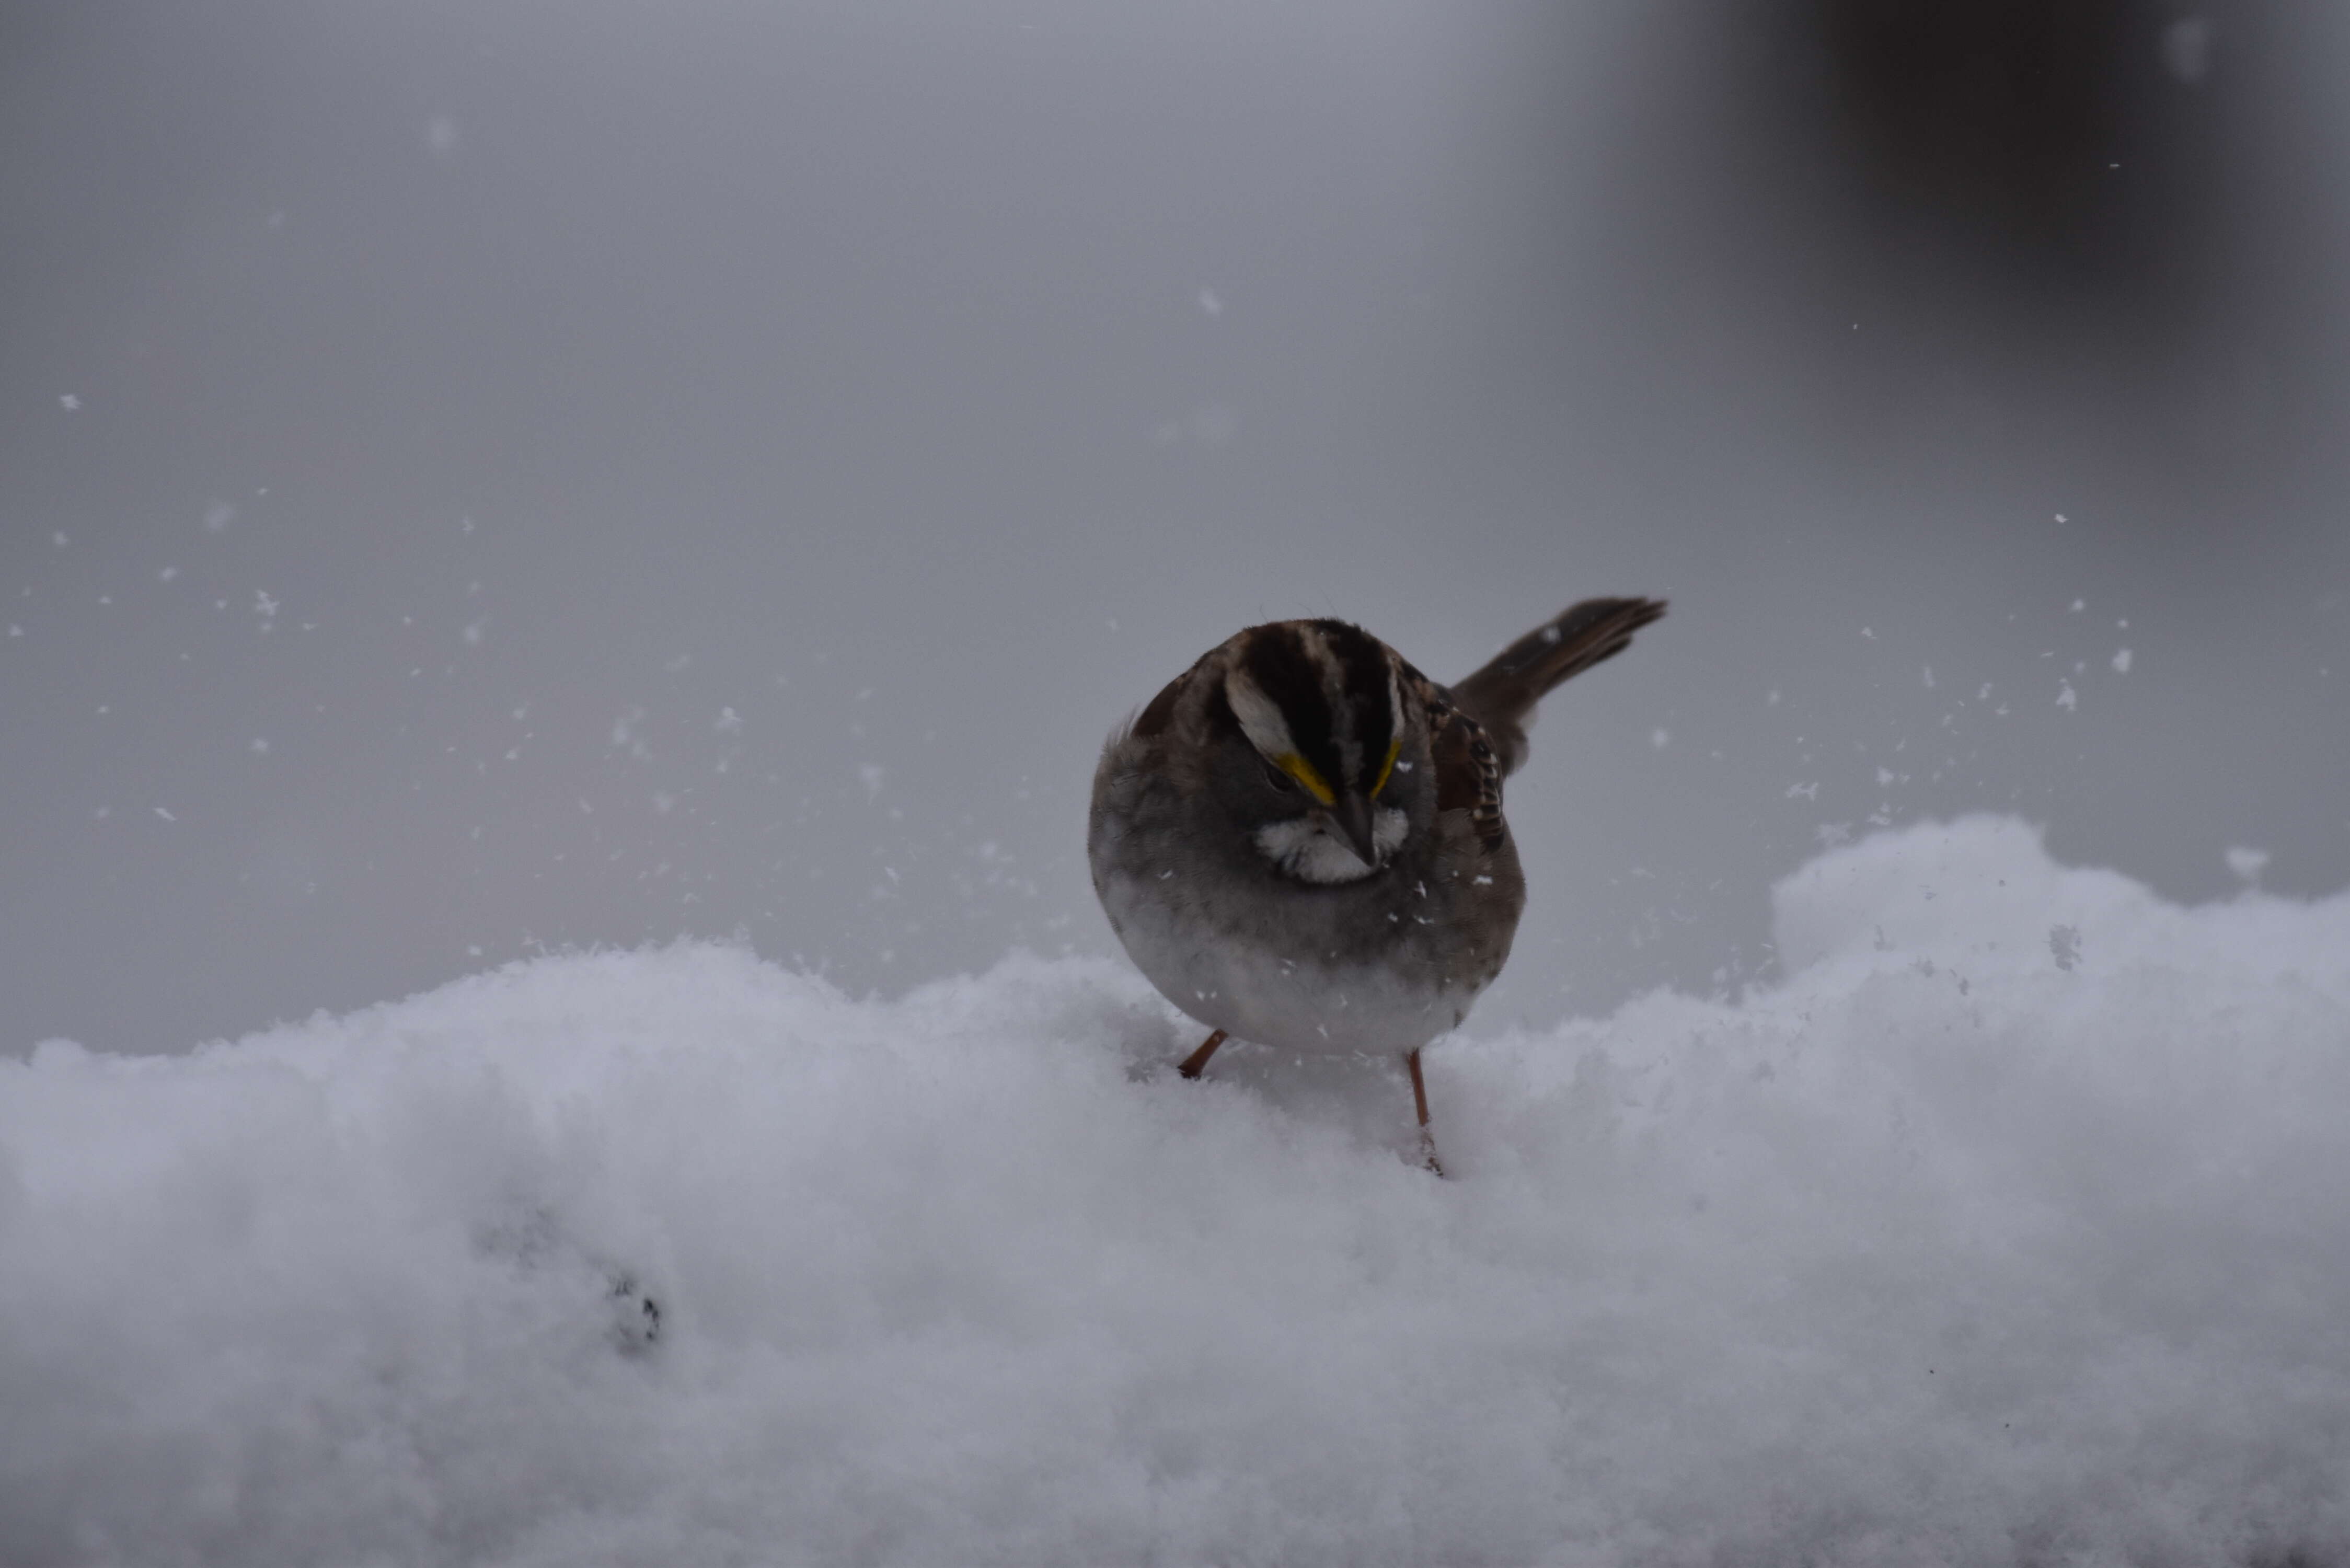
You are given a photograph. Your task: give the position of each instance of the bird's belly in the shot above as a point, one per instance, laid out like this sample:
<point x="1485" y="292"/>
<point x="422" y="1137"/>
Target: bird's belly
<point x="1297" y="1003"/>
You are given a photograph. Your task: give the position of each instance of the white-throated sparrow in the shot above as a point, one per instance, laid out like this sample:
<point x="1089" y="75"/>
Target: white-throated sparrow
<point x="1300" y="840"/>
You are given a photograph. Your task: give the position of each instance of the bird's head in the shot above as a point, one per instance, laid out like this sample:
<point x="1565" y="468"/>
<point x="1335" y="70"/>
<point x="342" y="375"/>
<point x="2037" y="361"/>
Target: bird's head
<point x="1324" y="760"/>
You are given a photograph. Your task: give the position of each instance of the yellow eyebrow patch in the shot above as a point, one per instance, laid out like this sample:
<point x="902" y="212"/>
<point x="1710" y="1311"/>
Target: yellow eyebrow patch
<point x="1395" y="750"/>
<point x="1303" y="772"/>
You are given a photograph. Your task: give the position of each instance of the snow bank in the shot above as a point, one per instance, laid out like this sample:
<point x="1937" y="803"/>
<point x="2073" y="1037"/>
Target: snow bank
<point x="2013" y="1227"/>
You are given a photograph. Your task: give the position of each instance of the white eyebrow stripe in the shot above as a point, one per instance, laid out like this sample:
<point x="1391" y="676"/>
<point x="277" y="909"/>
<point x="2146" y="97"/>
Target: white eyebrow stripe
<point x="1260" y="718"/>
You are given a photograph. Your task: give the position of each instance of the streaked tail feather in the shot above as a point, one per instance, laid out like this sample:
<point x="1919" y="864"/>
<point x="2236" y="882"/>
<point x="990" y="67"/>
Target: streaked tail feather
<point x="1502" y="695"/>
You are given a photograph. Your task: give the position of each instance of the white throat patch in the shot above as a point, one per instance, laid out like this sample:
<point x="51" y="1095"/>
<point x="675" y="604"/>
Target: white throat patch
<point x="1312" y="851"/>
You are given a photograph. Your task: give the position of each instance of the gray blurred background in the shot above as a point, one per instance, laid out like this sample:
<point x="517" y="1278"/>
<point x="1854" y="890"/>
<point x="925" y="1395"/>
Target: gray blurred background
<point x="480" y="478"/>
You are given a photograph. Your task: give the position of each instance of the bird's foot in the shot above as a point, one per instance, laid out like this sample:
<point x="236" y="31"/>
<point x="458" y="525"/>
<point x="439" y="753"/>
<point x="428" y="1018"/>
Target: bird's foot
<point x="1428" y="1160"/>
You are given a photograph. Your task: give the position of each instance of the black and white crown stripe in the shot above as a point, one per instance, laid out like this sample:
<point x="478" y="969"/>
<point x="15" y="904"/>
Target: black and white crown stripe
<point x="1325" y="691"/>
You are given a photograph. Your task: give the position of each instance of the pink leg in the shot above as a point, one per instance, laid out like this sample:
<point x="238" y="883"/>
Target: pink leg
<point x="1197" y="1062"/>
<point x="1419" y="1099"/>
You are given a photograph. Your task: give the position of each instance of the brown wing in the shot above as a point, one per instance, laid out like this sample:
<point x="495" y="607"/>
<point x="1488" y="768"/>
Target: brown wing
<point x="1467" y="774"/>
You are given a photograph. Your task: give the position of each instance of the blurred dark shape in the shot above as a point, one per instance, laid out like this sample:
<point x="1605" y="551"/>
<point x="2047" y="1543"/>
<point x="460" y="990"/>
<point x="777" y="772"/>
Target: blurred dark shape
<point x="2109" y="219"/>
<point x="2066" y="142"/>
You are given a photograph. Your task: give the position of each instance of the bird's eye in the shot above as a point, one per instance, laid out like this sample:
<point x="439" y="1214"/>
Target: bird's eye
<point x="1292" y="775"/>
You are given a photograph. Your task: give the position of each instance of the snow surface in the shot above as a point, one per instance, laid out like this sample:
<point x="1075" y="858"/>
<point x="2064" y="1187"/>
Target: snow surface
<point x="1938" y="1252"/>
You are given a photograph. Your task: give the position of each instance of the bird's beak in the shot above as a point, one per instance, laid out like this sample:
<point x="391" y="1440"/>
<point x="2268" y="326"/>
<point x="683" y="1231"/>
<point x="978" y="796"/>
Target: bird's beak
<point x="1353" y="814"/>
